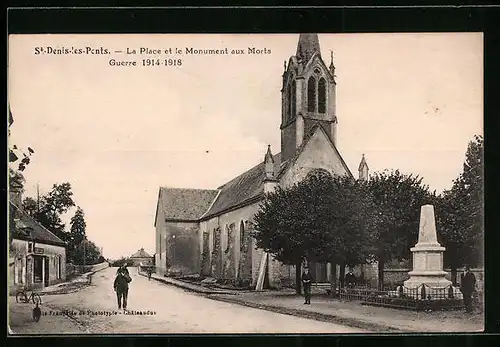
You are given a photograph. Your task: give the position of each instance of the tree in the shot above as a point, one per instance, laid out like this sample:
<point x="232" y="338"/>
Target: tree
<point x="321" y="219"/>
<point x="77" y="232"/>
<point x="87" y="253"/>
<point x="348" y="219"/>
<point x="48" y="210"/>
<point x="283" y="227"/>
<point x="398" y="198"/>
<point x="460" y="212"/>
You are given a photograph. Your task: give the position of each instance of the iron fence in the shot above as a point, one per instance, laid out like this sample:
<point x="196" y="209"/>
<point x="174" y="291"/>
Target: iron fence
<point x="422" y="297"/>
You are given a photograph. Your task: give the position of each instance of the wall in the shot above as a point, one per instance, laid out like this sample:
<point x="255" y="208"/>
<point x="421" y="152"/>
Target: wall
<point x="182" y="248"/>
<point x="318" y="154"/>
<point x="24" y="263"/>
<point x="160" y="251"/>
<point x="227" y="260"/>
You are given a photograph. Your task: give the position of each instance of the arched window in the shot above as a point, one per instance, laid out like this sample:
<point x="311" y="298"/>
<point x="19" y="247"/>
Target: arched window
<point x="293" y="102"/>
<point x="322" y="95"/>
<point x="242" y="235"/>
<point x="288" y="102"/>
<point x="311" y="94"/>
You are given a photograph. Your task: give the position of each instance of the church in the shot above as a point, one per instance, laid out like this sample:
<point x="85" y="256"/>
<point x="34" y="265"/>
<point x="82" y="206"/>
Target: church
<point x="206" y="231"/>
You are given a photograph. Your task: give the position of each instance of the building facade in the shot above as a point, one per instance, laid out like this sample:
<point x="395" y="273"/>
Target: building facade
<point x="140" y="258"/>
<point x="207" y="231"/>
<point x="37" y="258"/>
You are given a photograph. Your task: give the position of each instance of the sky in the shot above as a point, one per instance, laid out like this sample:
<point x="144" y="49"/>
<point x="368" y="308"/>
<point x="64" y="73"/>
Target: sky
<point x="117" y="133"/>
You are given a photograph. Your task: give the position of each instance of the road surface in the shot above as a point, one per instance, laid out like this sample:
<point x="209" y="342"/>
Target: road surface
<point x="169" y="310"/>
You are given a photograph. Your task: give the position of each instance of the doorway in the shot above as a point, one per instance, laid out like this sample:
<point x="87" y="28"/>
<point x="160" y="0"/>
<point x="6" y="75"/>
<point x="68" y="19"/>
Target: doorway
<point x="46" y="272"/>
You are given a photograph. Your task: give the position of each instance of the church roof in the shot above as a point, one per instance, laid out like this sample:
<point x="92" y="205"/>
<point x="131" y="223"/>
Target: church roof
<point x="247" y="186"/>
<point x="37" y="232"/>
<point x="185" y="204"/>
<point x="140" y="254"/>
<point x="307" y="46"/>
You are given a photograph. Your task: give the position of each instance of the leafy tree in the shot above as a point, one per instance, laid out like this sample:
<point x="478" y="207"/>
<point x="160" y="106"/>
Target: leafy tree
<point x="321" y="218"/>
<point x="87" y="253"/>
<point x="77" y="232"/>
<point x="460" y="212"/>
<point x="398" y="198"/>
<point x="283" y="227"/>
<point x="347" y="219"/>
<point x="48" y="210"/>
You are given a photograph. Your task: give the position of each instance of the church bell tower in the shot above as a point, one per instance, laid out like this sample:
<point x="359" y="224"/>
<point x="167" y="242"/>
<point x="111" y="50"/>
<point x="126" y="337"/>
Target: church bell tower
<point x="307" y="96"/>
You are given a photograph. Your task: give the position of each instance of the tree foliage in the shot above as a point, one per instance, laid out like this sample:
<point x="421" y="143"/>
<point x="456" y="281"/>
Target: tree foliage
<point x="460" y="211"/>
<point x="87" y="253"/>
<point x="77" y="233"/>
<point x="322" y="218"/>
<point x="398" y="198"/>
<point x="47" y="210"/>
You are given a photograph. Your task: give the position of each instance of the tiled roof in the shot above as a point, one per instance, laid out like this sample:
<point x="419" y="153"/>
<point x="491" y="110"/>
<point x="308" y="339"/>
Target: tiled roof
<point x="185" y="204"/>
<point x="38" y="232"/>
<point x="140" y="254"/>
<point x="242" y="188"/>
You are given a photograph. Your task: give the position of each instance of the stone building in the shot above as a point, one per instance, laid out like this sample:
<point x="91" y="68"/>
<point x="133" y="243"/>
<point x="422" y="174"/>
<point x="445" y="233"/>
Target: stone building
<point x="141" y="257"/>
<point x="37" y="257"/>
<point x="207" y="231"/>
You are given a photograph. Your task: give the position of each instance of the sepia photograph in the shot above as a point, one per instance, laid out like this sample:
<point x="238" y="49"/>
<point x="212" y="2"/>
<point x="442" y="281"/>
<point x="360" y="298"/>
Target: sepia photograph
<point x="307" y="183"/>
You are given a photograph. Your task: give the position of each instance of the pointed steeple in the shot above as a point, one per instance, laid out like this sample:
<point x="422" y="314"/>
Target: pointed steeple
<point x="270" y="181"/>
<point x="269" y="163"/>
<point x="363" y="169"/>
<point x="307" y="46"/>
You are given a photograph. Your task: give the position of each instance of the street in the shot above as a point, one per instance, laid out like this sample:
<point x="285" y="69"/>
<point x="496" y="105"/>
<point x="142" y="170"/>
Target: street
<point x="168" y="310"/>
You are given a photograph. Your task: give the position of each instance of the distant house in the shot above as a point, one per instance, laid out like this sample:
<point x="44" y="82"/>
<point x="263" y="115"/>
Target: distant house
<point x="37" y="257"/>
<point x="141" y="257"/>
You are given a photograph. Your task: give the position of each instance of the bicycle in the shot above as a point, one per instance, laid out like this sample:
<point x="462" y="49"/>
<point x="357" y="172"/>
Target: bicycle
<point x="23" y="297"/>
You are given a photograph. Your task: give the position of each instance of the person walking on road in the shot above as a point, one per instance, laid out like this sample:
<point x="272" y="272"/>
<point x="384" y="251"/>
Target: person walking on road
<point x="307" y="282"/>
<point x="467" y="287"/>
<point x="121" y="287"/>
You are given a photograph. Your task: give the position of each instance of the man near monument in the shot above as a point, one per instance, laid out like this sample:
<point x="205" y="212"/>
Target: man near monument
<point x="467" y="287"/>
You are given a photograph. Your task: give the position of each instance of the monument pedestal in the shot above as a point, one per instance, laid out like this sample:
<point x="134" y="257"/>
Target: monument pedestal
<point x="428" y="261"/>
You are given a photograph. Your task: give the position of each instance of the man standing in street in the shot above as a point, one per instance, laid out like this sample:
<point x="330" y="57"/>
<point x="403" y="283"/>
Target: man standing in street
<point x="307" y="281"/>
<point x="121" y="287"/>
<point x="467" y="287"/>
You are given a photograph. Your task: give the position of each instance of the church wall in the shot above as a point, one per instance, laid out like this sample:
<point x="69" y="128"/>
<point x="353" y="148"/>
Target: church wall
<point x="317" y="154"/>
<point x="288" y="141"/>
<point x="182" y="248"/>
<point x="232" y="257"/>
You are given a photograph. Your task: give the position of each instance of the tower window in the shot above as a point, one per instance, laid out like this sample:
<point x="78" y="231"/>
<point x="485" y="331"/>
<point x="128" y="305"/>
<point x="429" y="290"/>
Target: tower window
<point x="311" y="94"/>
<point x="293" y="98"/>
<point x="322" y="96"/>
